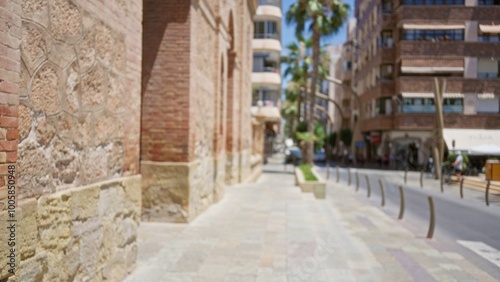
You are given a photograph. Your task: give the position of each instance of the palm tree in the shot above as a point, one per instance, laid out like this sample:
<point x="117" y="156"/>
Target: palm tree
<point x="323" y="18"/>
<point x="298" y="67"/>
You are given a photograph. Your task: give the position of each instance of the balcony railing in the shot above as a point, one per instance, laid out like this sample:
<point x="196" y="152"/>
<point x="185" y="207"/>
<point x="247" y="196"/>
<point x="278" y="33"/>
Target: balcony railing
<point x="276" y="3"/>
<point x="487" y="75"/>
<point x="265" y="36"/>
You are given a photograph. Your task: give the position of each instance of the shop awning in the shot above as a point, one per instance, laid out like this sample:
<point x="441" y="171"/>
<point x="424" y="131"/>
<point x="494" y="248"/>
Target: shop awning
<point x="485" y="28"/>
<point x="471" y="139"/>
<point x="430" y="95"/>
<point x="431" y="69"/>
<point x="433" y="26"/>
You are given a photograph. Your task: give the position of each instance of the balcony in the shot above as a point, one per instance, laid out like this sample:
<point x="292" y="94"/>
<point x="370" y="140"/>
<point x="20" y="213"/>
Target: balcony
<point x="453" y="84"/>
<point x="267" y="79"/>
<point x="267" y="42"/>
<point x="438" y="13"/>
<point x="376" y="123"/>
<point x="426" y="121"/>
<point x="447" y="48"/>
<point x="384" y="88"/>
<point x="269" y="10"/>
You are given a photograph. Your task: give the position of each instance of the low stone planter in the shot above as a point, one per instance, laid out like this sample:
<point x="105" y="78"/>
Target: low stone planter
<point x="317" y="187"/>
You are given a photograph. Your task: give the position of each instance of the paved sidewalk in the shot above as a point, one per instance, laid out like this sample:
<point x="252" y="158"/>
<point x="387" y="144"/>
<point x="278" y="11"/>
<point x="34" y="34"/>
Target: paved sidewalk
<point x="270" y="231"/>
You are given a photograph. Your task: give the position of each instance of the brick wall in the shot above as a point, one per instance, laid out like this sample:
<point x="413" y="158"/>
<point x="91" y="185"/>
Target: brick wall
<point x="166" y="76"/>
<point x="10" y="61"/>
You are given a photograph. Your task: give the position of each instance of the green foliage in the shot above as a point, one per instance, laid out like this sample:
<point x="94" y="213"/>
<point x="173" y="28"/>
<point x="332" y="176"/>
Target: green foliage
<point x="301" y="127"/>
<point x="320" y="134"/>
<point x="346" y="136"/>
<point x="332" y="139"/>
<point x="308" y="174"/>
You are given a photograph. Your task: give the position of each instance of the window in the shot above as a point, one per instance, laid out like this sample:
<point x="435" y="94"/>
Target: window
<point x="386" y="6"/>
<point x="383" y="106"/>
<point x="426" y="105"/>
<point x="488" y="37"/>
<point x="385" y="40"/>
<point x="433" y="35"/>
<point x="487" y="69"/>
<point x="491" y="105"/>
<point x="386" y="71"/>
<point x="488" y="2"/>
<point x="263" y="63"/>
<point x="269" y="97"/>
<point x="435" y="2"/>
<point x="347" y="65"/>
<point x="266" y="29"/>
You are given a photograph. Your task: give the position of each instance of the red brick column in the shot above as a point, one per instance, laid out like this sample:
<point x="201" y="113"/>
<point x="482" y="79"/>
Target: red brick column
<point x="10" y="62"/>
<point x="166" y="76"/>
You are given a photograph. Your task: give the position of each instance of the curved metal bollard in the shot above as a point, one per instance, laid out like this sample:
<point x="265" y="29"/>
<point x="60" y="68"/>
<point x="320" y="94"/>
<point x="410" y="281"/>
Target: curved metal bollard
<point x="368" y="188"/>
<point x="406" y="173"/>
<point x="327" y="170"/>
<point x="357" y="181"/>
<point x="338" y="174"/>
<point x="422" y="178"/>
<point x="401" y="202"/>
<point x="382" y="193"/>
<point x="432" y="221"/>
<point x="487" y="196"/>
<point x="349" y="176"/>
<point x="462" y="188"/>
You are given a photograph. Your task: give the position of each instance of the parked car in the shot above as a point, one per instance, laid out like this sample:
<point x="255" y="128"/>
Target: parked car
<point x="293" y="155"/>
<point x="320" y="156"/>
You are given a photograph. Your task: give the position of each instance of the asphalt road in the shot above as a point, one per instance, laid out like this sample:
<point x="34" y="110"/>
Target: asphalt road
<point x="467" y="219"/>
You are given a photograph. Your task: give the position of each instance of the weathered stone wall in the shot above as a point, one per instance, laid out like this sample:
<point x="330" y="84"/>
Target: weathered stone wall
<point x="78" y="69"/>
<point x="84" y="234"/>
<point x="79" y="99"/>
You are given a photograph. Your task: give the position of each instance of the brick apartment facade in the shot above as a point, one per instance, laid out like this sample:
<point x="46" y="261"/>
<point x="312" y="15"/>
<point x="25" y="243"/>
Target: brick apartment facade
<point x="398" y="47"/>
<point x="113" y="112"/>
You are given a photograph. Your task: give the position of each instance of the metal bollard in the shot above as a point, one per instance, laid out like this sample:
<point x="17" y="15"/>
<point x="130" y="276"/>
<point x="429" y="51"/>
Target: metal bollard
<point x="368" y="189"/>
<point x="327" y="170"/>
<point x="487" y="196"/>
<point x="462" y="188"/>
<point x="382" y="193"/>
<point x="422" y="178"/>
<point x="338" y="174"/>
<point x="441" y="183"/>
<point x="357" y="181"/>
<point x="432" y="222"/>
<point x="406" y="173"/>
<point x="401" y="202"/>
<point x="349" y="176"/>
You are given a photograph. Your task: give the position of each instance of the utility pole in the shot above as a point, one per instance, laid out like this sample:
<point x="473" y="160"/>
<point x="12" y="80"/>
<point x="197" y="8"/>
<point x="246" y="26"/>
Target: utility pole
<point x="438" y="148"/>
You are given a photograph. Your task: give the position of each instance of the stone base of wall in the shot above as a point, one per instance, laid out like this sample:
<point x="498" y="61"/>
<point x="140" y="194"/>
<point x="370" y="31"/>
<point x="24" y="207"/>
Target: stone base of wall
<point x="83" y="234"/>
<point x="255" y="169"/>
<point x="178" y="192"/>
<point x="245" y="165"/>
<point x="232" y="168"/>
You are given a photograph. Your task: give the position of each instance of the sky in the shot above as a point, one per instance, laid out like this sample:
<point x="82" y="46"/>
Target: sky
<point x="288" y="32"/>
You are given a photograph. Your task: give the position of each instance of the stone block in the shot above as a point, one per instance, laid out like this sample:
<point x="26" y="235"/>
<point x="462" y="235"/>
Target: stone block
<point x="84" y="203"/>
<point x="54" y="221"/>
<point x="28" y="231"/>
<point x="166" y="190"/>
<point x="33" y="269"/>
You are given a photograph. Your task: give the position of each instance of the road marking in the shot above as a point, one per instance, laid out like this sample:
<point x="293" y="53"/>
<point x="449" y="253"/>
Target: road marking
<point x="487" y="252"/>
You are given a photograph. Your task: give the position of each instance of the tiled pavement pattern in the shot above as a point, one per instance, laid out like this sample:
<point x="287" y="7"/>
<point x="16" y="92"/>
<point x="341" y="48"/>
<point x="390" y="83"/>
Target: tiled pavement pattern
<point x="270" y="231"/>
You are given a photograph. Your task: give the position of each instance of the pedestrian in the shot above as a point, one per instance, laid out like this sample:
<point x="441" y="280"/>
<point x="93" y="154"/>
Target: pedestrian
<point x="458" y="166"/>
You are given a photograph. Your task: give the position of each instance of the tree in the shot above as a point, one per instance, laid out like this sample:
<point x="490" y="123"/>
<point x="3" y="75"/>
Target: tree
<point x="323" y="18"/>
<point x="298" y="67"/>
